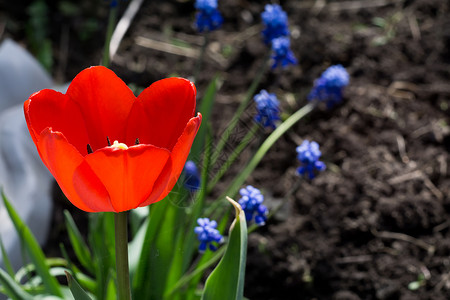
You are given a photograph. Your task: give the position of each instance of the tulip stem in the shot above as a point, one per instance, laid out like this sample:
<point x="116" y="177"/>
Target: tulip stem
<point x="123" y="274"/>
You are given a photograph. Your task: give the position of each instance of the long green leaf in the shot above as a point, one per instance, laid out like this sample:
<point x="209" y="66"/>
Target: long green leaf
<point x="77" y="291"/>
<point x="101" y="241"/>
<point x="78" y="244"/>
<point x="12" y="288"/>
<point x="205" y="108"/>
<point x="33" y="249"/>
<point x="165" y="249"/>
<point x="226" y="281"/>
<point x="6" y="260"/>
<point x="242" y="106"/>
<point x="199" y="203"/>
<point x="85" y="281"/>
<point x="141" y="276"/>
<point x="239" y="180"/>
<point x="159" y="247"/>
<point x="268" y="143"/>
<point x="186" y="236"/>
<point x="135" y="248"/>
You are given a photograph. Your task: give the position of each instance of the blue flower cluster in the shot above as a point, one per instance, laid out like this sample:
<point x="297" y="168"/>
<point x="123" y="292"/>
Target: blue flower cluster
<point x="328" y="88"/>
<point x="275" y="21"/>
<point x="208" y="17"/>
<point x="268" y="109"/>
<point x="282" y="54"/>
<point x="207" y="234"/>
<point x="251" y="202"/>
<point x="191" y="176"/>
<point x="308" y="154"/>
<point x="276" y="33"/>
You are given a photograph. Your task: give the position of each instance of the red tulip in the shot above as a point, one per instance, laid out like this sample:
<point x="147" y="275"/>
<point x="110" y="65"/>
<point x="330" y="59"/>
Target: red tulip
<point x="151" y="134"/>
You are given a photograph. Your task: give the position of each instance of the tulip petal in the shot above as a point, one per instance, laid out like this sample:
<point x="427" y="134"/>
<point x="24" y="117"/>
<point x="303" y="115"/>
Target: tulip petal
<point x="179" y="154"/>
<point x="105" y="102"/>
<point x="130" y="175"/>
<point x="161" y="112"/>
<point x="49" y="108"/>
<point x="62" y="159"/>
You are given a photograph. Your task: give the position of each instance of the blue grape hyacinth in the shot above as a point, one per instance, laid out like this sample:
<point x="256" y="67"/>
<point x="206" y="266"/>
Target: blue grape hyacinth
<point x="208" y="17"/>
<point x="191" y="176"/>
<point x="282" y="54"/>
<point x="207" y="234"/>
<point x="113" y="3"/>
<point x="329" y="87"/>
<point x="268" y="109"/>
<point x="275" y="21"/>
<point x="251" y="202"/>
<point x="308" y="154"/>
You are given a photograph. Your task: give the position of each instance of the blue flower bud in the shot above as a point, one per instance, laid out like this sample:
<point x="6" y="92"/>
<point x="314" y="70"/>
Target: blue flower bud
<point x="208" y="17"/>
<point x="268" y="109"/>
<point x="282" y="54"/>
<point x="308" y="154"/>
<point x="191" y="176"/>
<point x="328" y="88"/>
<point x="207" y="234"/>
<point x="275" y="21"/>
<point x="251" y="202"/>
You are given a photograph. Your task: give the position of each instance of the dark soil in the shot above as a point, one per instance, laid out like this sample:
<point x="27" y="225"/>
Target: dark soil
<point x="378" y="218"/>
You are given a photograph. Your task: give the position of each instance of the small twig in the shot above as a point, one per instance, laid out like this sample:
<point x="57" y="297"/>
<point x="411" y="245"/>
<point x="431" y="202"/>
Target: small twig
<point x="414" y="27"/>
<point x="403" y="237"/>
<point x="417" y="174"/>
<point x="402" y="149"/>
<point x="441" y="226"/>
<point x="403" y="90"/>
<point x="167" y="47"/>
<point x="357" y="5"/>
<point x="354" y="259"/>
<point x="442" y="164"/>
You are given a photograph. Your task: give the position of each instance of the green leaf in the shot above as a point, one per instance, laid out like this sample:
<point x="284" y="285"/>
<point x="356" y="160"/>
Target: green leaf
<point x="111" y="292"/>
<point x="101" y="241"/>
<point x="84" y="280"/>
<point x="33" y="249"/>
<point x="140" y="283"/>
<point x="239" y="180"/>
<point x="77" y="291"/>
<point x="241" y="108"/>
<point x="164" y="250"/>
<point x="12" y="288"/>
<point x="187" y="240"/>
<point x="6" y="260"/>
<point x="78" y="244"/>
<point x="135" y="248"/>
<point x="206" y="109"/>
<point x="226" y="281"/>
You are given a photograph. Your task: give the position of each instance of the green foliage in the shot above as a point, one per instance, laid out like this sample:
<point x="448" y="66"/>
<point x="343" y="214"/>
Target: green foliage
<point x="77" y="291"/>
<point x="227" y="279"/>
<point x="33" y="249"/>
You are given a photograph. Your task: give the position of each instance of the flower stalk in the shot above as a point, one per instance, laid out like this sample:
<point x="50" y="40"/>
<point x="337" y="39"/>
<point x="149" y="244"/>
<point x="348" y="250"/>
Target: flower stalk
<point x="123" y="274"/>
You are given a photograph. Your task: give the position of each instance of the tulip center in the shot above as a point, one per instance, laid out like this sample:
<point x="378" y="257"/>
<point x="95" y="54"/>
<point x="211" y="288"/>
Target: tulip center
<point x="122" y="146"/>
<point x="116" y="144"/>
